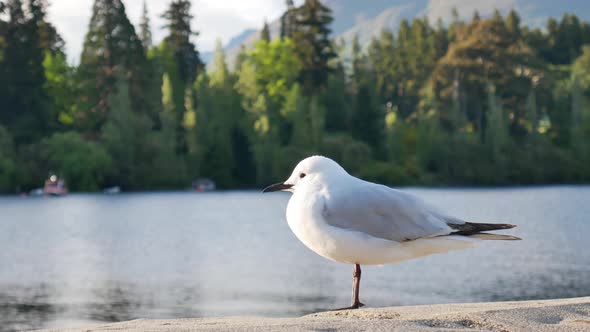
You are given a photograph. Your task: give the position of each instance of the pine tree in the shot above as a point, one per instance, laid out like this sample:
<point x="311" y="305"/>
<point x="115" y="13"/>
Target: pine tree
<point x="167" y="94"/>
<point x="242" y="56"/>
<point x="496" y="133"/>
<point x="169" y="164"/>
<point x="441" y="39"/>
<point x="382" y="57"/>
<point x="476" y="17"/>
<point x="111" y="46"/>
<point x="366" y="118"/>
<point x="288" y="20"/>
<point x="178" y="21"/>
<point x="313" y="45"/>
<point x="513" y="23"/>
<point x="402" y="68"/>
<point x="532" y="115"/>
<point x="485" y="53"/>
<point x="367" y="124"/>
<point x="8" y="165"/>
<point x="25" y="109"/>
<point x="580" y="121"/>
<point x="265" y="33"/>
<point x="61" y="88"/>
<point x="119" y="135"/>
<point x="457" y="119"/>
<point x="220" y="76"/>
<point x="145" y="30"/>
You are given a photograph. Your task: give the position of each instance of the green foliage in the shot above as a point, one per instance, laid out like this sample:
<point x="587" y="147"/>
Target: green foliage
<point x="61" y="87"/>
<point x="367" y="117"/>
<point x="276" y="66"/>
<point x="178" y="21"/>
<point x="580" y="127"/>
<point x="313" y="46"/>
<point x="83" y="163"/>
<point x="496" y="132"/>
<point x="24" y="104"/>
<point x="581" y="70"/>
<point x="350" y="153"/>
<point x="119" y="135"/>
<point x="7" y="162"/>
<point x="145" y="30"/>
<point x="414" y="107"/>
<point x="265" y="33"/>
<point x="111" y="48"/>
<point x="487" y="52"/>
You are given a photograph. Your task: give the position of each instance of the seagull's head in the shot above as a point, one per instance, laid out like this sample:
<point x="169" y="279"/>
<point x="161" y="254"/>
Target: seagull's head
<point x="309" y="171"/>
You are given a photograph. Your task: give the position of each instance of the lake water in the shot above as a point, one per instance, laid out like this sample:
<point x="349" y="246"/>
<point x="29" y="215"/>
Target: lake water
<point x="86" y="259"/>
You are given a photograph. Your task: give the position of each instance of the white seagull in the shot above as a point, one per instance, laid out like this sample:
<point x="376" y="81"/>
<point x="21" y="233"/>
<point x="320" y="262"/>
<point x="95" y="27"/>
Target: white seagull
<point x="348" y="220"/>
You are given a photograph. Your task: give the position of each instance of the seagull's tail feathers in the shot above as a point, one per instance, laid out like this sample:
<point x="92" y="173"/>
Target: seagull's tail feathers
<point x="476" y="230"/>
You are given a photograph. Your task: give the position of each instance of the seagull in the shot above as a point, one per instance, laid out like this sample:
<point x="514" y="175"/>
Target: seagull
<point x="349" y="220"/>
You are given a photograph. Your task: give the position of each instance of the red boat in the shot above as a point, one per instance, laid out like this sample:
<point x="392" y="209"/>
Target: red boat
<point x="204" y="185"/>
<point x="55" y="186"/>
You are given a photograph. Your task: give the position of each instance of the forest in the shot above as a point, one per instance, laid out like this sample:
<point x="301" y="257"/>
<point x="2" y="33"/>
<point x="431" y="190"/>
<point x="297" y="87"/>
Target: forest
<point x="486" y="101"/>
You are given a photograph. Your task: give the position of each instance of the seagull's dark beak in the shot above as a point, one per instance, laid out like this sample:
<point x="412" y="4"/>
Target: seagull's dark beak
<point x="277" y="187"/>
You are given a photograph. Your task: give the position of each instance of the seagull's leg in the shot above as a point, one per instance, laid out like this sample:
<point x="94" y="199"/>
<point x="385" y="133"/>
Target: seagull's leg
<point x="356" y="283"/>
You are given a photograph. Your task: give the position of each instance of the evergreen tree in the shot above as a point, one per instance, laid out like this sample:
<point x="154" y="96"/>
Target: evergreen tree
<point x="265" y="33"/>
<point x="402" y="72"/>
<point x="487" y="53"/>
<point x="168" y="167"/>
<point x="381" y="56"/>
<point x="336" y="100"/>
<point x="220" y="76"/>
<point x="119" y="136"/>
<point x="513" y="23"/>
<point x="312" y="43"/>
<point x="496" y="133"/>
<point x="580" y="121"/>
<point x="8" y="167"/>
<point x="532" y="115"/>
<point x="366" y="116"/>
<point x="441" y="39"/>
<point x="25" y="110"/>
<point x="111" y="46"/>
<point x="288" y="20"/>
<point x="145" y="30"/>
<point x="242" y="55"/>
<point x="61" y="88"/>
<point x="178" y="22"/>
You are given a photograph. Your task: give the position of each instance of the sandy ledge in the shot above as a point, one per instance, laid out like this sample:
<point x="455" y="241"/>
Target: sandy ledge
<point x="548" y="315"/>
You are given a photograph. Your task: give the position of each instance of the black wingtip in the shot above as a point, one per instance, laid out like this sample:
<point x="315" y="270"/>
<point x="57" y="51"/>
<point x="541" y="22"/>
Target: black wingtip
<point x="470" y="228"/>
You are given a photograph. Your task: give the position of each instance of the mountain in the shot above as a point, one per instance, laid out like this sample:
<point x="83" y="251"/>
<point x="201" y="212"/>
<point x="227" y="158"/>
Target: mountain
<point x="368" y="18"/>
<point x="234" y="43"/>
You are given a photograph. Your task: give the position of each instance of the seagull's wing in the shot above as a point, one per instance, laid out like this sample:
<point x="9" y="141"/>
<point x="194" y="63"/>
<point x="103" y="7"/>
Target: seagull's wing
<point x="384" y="212"/>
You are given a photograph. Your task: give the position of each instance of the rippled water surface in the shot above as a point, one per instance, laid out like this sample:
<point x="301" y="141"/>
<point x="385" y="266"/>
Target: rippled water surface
<point x="87" y="259"/>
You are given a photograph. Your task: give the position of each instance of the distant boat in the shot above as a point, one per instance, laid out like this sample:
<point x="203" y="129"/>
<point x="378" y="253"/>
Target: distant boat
<point x="55" y="186"/>
<point x="112" y="190"/>
<point x="36" y="192"/>
<point x="204" y="185"/>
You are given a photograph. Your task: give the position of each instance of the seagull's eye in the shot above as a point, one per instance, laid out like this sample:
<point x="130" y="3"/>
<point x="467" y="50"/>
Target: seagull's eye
<point x="302" y="175"/>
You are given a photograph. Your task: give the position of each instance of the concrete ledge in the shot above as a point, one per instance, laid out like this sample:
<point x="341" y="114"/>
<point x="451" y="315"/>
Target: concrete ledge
<point x="547" y="315"/>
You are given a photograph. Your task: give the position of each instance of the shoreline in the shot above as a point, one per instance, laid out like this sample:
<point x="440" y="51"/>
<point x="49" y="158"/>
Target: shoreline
<point x="539" y="315"/>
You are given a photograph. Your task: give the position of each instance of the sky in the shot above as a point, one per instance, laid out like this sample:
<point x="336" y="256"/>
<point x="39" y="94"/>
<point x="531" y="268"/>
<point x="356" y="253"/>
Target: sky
<point x="214" y="19"/>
